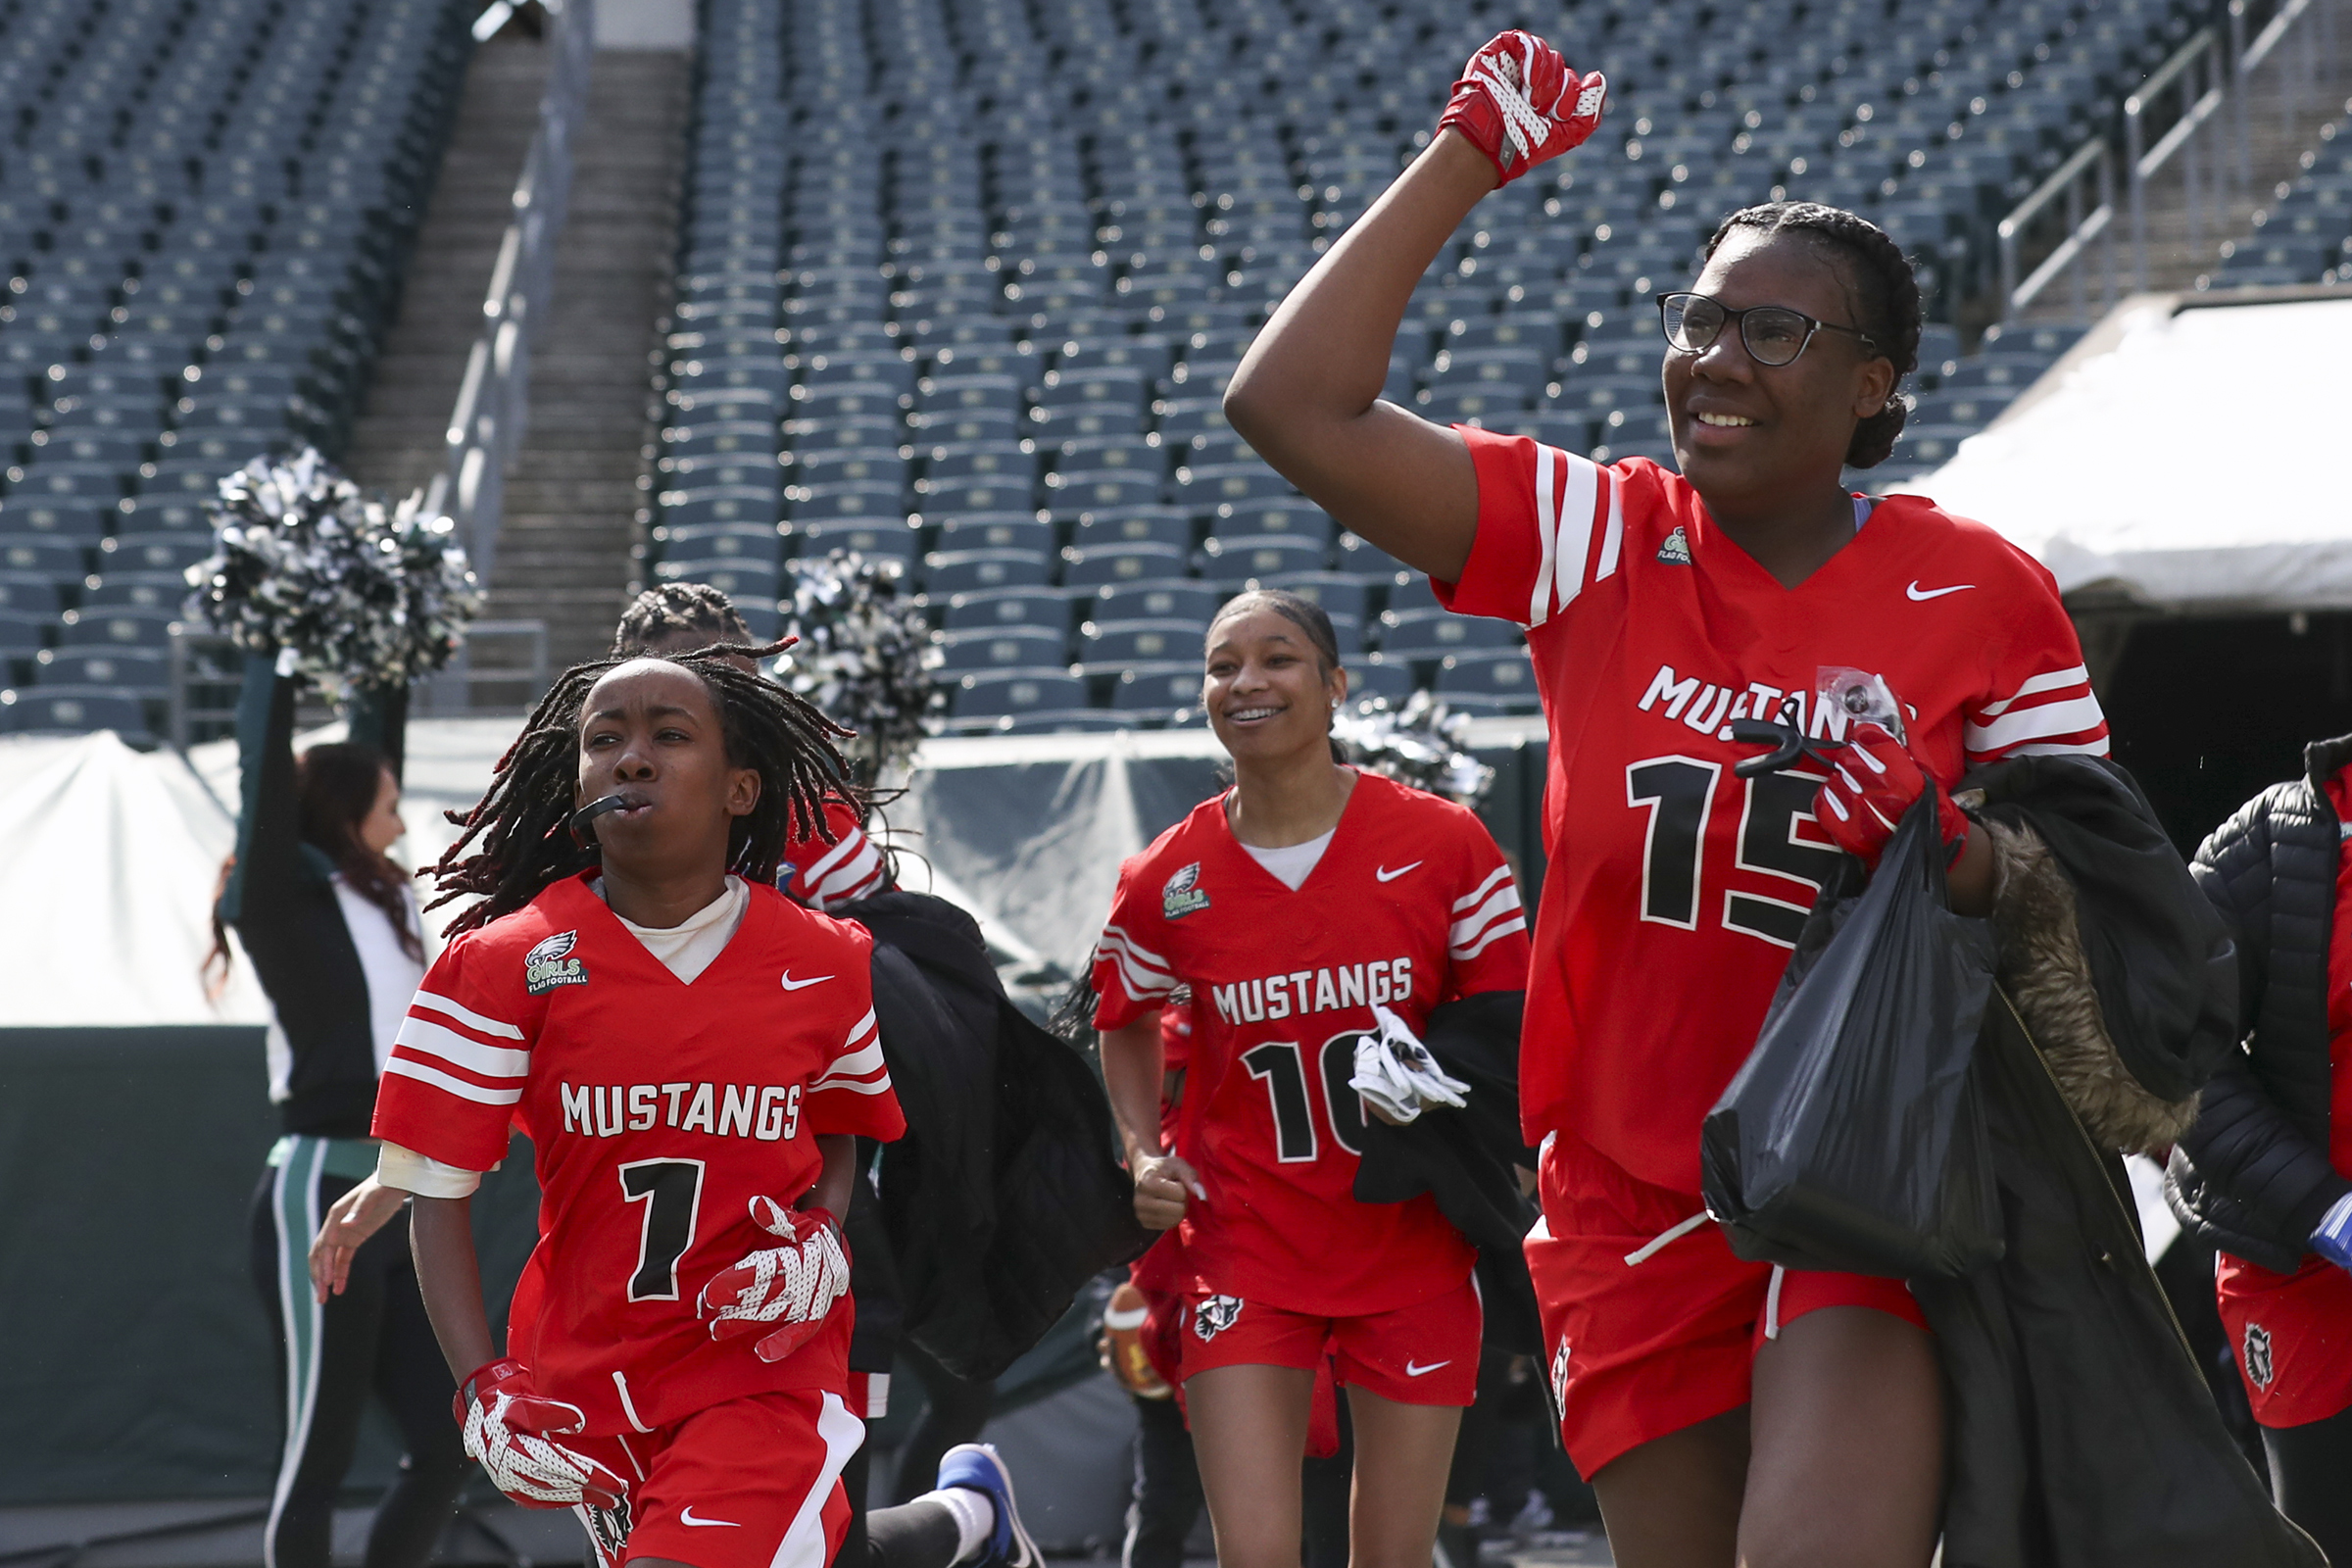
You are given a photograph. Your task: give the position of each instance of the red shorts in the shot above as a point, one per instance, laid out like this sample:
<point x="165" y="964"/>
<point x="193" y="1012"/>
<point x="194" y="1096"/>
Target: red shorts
<point x="1425" y="1354"/>
<point x="753" y="1483"/>
<point x="2293" y="1338"/>
<point x="1651" y="1322"/>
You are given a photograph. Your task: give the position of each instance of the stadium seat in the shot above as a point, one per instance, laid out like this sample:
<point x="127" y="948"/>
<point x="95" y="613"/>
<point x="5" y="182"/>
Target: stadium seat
<point x="993" y="696"/>
<point x="1163" y="598"/>
<point x="1495" y="681"/>
<point x="153" y="552"/>
<point x="1375" y="675"/>
<point x="957" y="571"/>
<point x="1169" y="692"/>
<point x="745" y="543"/>
<point x="118" y="627"/>
<point x="1255" y="558"/>
<point x="75" y="709"/>
<point x="995" y="530"/>
<point x="29" y="517"/>
<point x="1118" y="644"/>
<point x="1427" y="634"/>
<point x="1048" y="607"/>
<point x="884" y="537"/>
<point x="1103" y="568"/>
<point x="145" y="671"/>
<point x="1014" y="646"/>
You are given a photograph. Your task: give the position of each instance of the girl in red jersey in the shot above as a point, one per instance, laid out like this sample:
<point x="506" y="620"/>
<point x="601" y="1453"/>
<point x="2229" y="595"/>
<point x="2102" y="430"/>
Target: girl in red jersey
<point x="693" y="1056"/>
<point x="1291" y="905"/>
<point x="1717" y="1404"/>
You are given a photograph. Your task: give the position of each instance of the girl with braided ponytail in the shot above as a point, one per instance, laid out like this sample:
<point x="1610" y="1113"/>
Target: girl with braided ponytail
<point x="1719" y="1405"/>
<point x="693" y="1056"/>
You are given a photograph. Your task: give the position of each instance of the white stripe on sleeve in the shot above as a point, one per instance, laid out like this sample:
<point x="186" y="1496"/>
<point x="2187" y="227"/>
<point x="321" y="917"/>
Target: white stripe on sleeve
<point x="435" y="1078"/>
<point x="465" y="1015"/>
<point x="1548" y="522"/>
<point x="1613" y="539"/>
<point x="432" y="1040"/>
<point x="2051" y="720"/>
<point x="1477" y="895"/>
<point x="2055" y="680"/>
<point x="1495" y="934"/>
<point x="1505" y="902"/>
<point x="1575" y="525"/>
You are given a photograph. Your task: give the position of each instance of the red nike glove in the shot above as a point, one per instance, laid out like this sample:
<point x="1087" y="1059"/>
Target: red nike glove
<point x="1872" y="783"/>
<point x="506" y="1430"/>
<point x="797" y="1282"/>
<point x="1519" y="103"/>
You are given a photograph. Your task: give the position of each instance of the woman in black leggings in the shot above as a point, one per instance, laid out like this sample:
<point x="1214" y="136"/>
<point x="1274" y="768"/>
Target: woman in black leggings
<point x="331" y="929"/>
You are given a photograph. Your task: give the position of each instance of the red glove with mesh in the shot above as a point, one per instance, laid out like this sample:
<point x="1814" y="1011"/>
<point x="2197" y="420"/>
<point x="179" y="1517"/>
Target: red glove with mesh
<point x="1519" y="103"/>
<point x="1872" y="783"/>
<point x="505" y="1429"/>
<point x="794" y="1285"/>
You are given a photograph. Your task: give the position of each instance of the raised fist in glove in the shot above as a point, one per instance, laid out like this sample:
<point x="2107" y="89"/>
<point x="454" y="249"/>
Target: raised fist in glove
<point x="1872" y="783"/>
<point x="795" y="1283"/>
<point x="506" y="1429"/>
<point x="1519" y="103"/>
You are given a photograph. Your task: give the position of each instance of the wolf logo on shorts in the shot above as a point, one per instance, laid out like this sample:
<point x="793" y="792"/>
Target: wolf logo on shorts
<point x="1559" y="1377"/>
<point x="2259" y="1366"/>
<point x="1215" y="1315"/>
<point x="608" y="1527"/>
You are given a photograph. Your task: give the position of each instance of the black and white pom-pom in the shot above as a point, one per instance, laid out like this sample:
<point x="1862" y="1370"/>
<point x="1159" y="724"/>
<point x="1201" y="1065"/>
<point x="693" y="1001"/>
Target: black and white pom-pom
<point x="1418" y="744"/>
<point x="363" y="594"/>
<point x="866" y="656"/>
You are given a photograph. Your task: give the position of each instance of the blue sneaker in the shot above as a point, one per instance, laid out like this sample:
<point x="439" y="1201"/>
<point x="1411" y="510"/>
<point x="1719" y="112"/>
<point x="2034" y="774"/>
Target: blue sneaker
<point x="975" y="1465"/>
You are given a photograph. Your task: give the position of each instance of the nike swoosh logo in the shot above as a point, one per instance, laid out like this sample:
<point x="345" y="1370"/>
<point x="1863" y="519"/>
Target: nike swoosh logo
<point x="1414" y="1369"/>
<point x="686" y="1514"/>
<point x="1386" y="875"/>
<point x="790" y="984"/>
<point x="1916" y="592"/>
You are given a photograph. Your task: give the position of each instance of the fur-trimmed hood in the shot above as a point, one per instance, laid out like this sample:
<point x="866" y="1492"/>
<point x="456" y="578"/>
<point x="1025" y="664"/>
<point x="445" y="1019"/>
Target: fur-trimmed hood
<point x="2043" y="967"/>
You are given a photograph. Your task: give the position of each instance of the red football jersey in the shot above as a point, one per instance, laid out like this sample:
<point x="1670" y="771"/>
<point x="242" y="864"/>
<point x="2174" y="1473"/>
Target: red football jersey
<point x="1411" y="904"/>
<point x="657" y="1111"/>
<point x="824" y="876"/>
<point x="1676" y="888"/>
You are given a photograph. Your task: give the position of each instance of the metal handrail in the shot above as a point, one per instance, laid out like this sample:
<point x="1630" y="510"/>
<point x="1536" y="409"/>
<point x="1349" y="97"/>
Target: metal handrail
<point x="2202" y="48"/>
<point x="493" y="405"/>
<point x="2066" y="182"/>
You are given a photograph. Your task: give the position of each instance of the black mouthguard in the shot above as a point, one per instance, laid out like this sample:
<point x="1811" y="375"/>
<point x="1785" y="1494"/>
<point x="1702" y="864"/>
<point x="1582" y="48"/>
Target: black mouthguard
<point x="588" y="813"/>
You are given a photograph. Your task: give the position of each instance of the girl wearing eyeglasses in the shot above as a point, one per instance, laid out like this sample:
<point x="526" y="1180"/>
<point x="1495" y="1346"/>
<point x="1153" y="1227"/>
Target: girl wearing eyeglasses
<point x="1718" y="1405"/>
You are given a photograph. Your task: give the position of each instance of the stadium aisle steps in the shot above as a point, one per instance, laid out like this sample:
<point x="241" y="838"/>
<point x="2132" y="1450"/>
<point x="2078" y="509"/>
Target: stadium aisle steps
<point x="396" y="442"/>
<point x="572" y="496"/>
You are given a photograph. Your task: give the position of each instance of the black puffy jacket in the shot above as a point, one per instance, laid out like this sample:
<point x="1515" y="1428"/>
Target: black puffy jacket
<point x="2252" y="1177"/>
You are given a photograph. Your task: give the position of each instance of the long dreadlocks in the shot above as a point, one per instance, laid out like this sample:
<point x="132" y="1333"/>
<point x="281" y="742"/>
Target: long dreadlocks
<point x="517" y="834"/>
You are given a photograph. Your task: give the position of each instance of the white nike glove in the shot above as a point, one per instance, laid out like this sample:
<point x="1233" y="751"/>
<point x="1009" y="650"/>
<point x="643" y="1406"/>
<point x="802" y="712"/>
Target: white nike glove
<point x="1397" y="1073"/>
<point x="505" y="1429"/>
<point x="796" y="1283"/>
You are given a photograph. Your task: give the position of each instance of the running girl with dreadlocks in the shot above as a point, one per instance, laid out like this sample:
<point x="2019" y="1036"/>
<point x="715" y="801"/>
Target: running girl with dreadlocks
<point x="693" y="1056"/>
<point x="1718" y="1404"/>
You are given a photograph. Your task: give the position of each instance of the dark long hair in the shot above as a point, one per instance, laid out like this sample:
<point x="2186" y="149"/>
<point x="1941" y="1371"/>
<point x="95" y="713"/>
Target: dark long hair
<point x="336" y="786"/>
<point x="518" y="842"/>
<point x="1880" y="282"/>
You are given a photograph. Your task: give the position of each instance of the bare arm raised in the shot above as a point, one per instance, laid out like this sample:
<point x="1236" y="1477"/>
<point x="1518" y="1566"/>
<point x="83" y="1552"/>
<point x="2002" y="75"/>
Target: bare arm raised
<point x="1308" y="394"/>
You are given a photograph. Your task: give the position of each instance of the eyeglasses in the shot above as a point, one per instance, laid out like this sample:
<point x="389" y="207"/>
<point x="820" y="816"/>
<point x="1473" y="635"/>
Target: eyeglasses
<point x="1774" y="334"/>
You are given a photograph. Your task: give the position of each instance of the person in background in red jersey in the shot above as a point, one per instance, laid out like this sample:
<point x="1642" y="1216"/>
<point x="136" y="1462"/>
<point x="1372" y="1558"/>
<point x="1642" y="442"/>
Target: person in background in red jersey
<point x="2266" y="1173"/>
<point x="1716" y="1404"/>
<point x="1293" y="905"/>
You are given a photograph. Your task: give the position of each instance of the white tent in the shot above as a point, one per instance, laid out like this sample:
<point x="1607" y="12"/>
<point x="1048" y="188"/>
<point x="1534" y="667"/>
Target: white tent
<point x="2188" y="457"/>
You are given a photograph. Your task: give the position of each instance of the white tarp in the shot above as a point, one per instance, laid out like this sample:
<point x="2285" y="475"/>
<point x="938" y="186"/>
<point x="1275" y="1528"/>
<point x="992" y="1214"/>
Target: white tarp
<point x="2198" y="465"/>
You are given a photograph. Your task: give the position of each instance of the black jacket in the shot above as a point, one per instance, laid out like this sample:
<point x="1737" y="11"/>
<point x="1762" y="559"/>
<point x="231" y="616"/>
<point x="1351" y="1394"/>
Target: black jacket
<point x="2081" y="1432"/>
<point x="282" y="900"/>
<point x="1464" y="1158"/>
<point x="2253" y="1177"/>
<point x="1003" y="1198"/>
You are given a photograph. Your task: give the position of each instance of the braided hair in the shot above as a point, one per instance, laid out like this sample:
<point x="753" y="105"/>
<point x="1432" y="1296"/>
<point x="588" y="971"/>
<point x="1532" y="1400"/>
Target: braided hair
<point x="1881" y="285"/>
<point x="668" y="609"/>
<point x="517" y="840"/>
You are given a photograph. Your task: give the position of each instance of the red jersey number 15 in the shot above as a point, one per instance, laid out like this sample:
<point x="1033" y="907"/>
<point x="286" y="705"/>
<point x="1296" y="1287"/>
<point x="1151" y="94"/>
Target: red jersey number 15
<point x="1680" y="794"/>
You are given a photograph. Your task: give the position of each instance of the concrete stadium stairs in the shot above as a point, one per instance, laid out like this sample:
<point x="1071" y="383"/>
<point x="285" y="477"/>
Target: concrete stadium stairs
<point x="572" y="492"/>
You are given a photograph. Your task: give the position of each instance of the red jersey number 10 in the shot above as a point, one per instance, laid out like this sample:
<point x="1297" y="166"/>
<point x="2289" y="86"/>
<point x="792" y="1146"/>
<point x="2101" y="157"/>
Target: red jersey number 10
<point x="1680" y="795"/>
<point x="1280" y="1064"/>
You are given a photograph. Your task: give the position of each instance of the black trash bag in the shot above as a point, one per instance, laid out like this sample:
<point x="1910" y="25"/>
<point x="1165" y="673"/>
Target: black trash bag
<point x="1853" y="1138"/>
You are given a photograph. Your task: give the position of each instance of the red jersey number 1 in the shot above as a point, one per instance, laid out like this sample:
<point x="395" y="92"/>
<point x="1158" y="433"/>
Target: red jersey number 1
<point x="1680" y="793"/>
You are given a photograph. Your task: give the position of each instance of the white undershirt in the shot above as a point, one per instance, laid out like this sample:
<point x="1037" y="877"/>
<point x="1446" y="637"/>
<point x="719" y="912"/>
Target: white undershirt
<point x="685" y="950"/>
<point x="1290" y="863"/>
